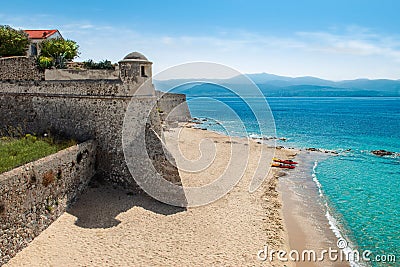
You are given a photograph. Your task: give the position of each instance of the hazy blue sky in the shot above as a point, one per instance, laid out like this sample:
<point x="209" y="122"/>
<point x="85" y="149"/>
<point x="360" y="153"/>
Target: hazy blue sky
<point x="328" y="39"/>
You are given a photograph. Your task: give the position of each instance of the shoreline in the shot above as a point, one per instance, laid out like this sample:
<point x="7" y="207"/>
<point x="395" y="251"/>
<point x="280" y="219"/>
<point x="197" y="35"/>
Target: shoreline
<point x="304" y="213"/>
<point x="305" y="228"/>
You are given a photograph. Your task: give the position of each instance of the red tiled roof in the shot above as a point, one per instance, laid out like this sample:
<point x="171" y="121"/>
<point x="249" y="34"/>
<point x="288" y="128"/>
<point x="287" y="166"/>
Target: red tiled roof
<point x="40" y="34"/>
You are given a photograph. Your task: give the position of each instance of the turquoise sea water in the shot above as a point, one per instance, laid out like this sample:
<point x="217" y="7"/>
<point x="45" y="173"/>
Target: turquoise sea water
<point x="362" y="190"/>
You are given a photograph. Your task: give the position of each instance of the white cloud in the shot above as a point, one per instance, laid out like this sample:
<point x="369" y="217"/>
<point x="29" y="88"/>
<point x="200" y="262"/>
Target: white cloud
<point x="335" y="54"/>
<point x="357" y="41"/>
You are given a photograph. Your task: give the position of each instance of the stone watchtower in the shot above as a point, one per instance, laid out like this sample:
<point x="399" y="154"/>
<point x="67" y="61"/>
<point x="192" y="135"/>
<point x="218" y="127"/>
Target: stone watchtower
<point x="135" y="70"/>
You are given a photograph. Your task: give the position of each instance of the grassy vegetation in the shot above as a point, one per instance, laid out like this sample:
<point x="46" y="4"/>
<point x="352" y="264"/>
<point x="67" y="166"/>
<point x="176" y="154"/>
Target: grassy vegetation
<point x="15" y="152"/>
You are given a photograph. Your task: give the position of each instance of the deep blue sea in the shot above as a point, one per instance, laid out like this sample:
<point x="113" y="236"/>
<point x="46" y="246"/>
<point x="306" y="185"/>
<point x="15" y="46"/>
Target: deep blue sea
<point x="362" y="190"/>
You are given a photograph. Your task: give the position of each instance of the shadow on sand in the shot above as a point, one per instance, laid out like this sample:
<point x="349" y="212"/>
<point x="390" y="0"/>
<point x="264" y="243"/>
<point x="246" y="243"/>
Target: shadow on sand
<point x="99" y="206"/>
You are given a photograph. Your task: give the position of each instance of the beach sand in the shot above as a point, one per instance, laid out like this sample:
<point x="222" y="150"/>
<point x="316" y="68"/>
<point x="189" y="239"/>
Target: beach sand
<point x="113" y="227"/>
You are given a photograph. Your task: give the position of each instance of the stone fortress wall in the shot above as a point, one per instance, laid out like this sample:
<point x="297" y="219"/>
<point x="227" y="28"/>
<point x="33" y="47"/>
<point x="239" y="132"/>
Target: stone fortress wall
<point x="36" y="194"/>
<point x="173" y="107"/>
<point x="85" y="107"/>
<point x="20" y="68"/>
<point x="88" y="109"/>
<point x="77" y="74"/>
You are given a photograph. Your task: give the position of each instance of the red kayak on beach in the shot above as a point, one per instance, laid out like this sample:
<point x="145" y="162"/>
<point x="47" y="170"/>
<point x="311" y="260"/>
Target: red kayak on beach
<point x="283" y="166"/>
<point x="285" y="161"/>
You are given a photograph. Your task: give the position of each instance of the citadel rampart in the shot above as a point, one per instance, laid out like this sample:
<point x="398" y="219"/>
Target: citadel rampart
<point x="88" y="109"/>
<point x="77" y="110"/>
<point x="85" y="109"/>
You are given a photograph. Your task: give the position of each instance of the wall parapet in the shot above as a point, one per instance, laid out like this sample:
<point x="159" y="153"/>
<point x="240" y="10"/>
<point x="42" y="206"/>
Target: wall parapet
<point x="36" y="194"/>
<point x="173" y="107"/>
<point x="76" y="74"/>
<point x="20" y="68"/>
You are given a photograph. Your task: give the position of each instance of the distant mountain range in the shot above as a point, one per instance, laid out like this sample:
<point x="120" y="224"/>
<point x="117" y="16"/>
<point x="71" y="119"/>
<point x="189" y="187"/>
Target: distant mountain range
<point x="274" y="85"/>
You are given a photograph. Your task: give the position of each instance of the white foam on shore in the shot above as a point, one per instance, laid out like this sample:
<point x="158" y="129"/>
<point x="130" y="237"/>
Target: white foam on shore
<point x="255" y="136"/>
<point x="314" y="176"/>
<point x="333" y="223"/>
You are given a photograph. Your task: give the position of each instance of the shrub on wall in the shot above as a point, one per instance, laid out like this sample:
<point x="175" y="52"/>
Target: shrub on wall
<point x="45" y="62"/>
<point x="104" y="65"/>
<point x="60" y="50"/>
<point x="12" y="42"/>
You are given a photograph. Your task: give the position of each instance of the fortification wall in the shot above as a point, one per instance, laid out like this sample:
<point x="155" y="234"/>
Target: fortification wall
<point x="173" y="107"/>
<point x="20" y="68"/>
<point x="36" y="194"/>
<point x="83" y="107"/>
<point x="72" y="74"/>
<point x="82" y="110"/>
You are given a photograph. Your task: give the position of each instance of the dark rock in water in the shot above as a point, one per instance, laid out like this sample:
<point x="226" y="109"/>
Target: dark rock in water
<point x="203" y="119"/>
<point x="196" y="121"/>
<point x="231" y="142"/>
<point x="322" y="150"/>
<point x="382" y="152"/>
<point x="273" y="138"/>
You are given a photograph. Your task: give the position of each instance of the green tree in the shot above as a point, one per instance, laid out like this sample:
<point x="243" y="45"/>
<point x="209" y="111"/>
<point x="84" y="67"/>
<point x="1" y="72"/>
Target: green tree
<point x="105" y="64"/>
<point x="60" y="50"/>
<point x="13" y="42"/>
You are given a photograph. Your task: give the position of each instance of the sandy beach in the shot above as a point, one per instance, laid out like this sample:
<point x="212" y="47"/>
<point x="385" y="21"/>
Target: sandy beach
<point x="113" y="227"/>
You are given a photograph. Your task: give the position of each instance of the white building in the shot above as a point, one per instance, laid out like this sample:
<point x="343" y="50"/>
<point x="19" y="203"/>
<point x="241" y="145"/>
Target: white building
<point x="38" y="36"/>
